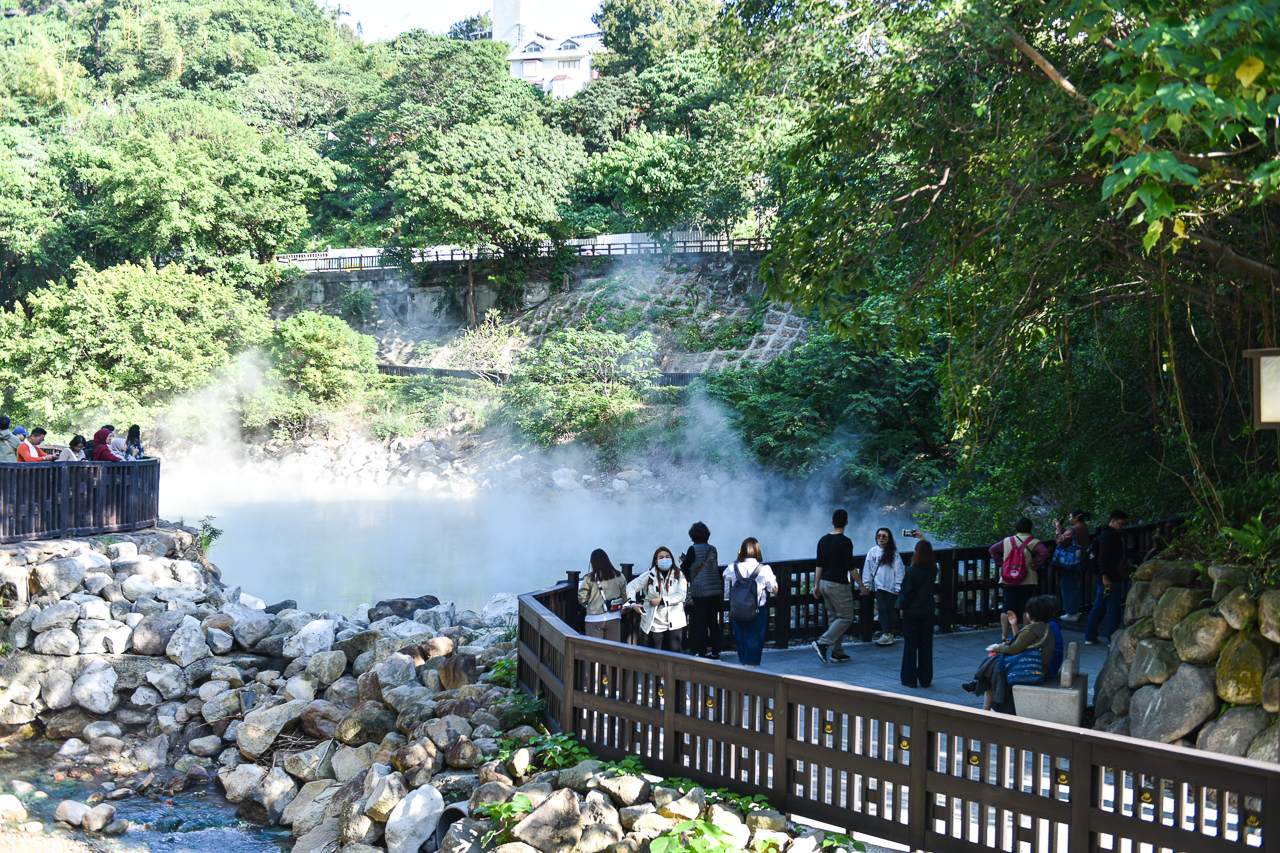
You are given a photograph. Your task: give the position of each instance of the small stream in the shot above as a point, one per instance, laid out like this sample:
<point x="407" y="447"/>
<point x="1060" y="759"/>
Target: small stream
<point x="194" y="821"/>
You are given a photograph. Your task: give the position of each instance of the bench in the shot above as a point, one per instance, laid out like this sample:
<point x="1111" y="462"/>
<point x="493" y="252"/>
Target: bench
<point x="1061" y="700"/>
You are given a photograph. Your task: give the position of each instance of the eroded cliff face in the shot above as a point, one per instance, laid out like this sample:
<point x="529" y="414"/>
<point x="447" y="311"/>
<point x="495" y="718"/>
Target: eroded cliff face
<point x="704" y="311"/>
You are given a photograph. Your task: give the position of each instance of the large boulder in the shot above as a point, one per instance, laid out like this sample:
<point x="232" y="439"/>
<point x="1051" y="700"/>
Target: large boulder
<point x="553" y="827"/>
<point x="1270" y="689"/>
<point x="103" y="636"/>
<point x="267" y="802"/>
<point x="502" y="609"/>
<point x="61" y="642"/>
<point x="55" y="689"/>
<point x="1266" y="746"/>
<point x="320" y="718"/>
<point x="402" y="607"/>
<point x="261" y="726"/>
<point x="1140" y="604"/>
<point x="60" y="614"/>
<point x="1169" y="712"/>
<point x="152" y="634"/>
<point x="366" y="725"/>
<point x="327" y="667"/>
<point x="313" y="764"/>
<point x="394" y="671"/>
<point x="1269" y="615"/>
<point x="60" y="578"/>
<point x="1170" y="574"/>
<point x="457" y="671"/>
<point x="386" y="793"/>
<point x="1238" y="608"/>
<point x="306" y="811"/>
<point x="1241" y="667"/>
<point x="1200" y="636"/>
<point x="187" y="645"/>
<point x="241" y="781"/>
<point x="1113" y="675"/>
<point x="314" y="637"/>
<point x="413" y="820"/>
<point x="1175" y="605"/>
<point x="95" y="689"/>
<point x="169" y="680"/>
<point x="1232" y="733"/>
<point x="1153" y="663"/>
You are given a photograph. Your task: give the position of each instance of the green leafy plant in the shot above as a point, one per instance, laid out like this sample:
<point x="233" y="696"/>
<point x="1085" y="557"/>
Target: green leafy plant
<point x="505" y="816"/>
<point x="557" y="751"/>
<point x="208" y="534"/>
<point x="357" y="306"/>
<point x="839" y="841"/>
<point x="630" y="764"/>
<point x="504" y="673"/>
<point x="698" y="836"/>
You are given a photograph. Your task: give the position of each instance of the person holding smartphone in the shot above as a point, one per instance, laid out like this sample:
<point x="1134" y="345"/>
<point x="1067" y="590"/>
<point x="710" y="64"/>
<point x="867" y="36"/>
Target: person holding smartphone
<point x="882" y="575"/>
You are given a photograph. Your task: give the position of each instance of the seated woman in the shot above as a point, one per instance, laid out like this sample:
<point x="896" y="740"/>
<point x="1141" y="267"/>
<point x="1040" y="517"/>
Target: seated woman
<point x="1037" y="636"/>
<point x="73" y="452"/>
<point x="102" y="451"/>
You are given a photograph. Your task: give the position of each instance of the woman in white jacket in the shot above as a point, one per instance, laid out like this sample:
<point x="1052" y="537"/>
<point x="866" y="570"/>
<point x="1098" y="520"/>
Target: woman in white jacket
<point x="882" y="574"/>
<point x="661" y="592"/>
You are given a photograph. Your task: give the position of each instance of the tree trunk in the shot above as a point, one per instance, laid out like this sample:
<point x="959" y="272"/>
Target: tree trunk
<point x="471" y="290"/>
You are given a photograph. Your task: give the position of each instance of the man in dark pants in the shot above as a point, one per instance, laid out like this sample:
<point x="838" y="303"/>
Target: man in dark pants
<point x="706" y="590"/>
<point x="1113" y="585"/>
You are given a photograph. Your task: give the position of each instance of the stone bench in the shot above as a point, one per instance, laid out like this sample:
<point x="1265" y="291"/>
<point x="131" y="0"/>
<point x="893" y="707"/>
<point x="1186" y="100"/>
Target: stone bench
<point x="1062" y="700"/>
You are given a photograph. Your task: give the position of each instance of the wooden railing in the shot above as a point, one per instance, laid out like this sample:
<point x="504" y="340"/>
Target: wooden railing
<point x="926" y="774"/>
<point x="50" y="500"/>
<point x="313" y="262"/>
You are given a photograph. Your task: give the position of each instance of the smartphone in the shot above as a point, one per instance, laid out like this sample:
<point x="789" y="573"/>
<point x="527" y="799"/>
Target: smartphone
<point x="906" y="532"/>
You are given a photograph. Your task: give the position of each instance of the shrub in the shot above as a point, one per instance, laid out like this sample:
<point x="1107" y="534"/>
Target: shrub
<point x="581" y="384"/>
<point x="357" y="306"/>
<point x="488" y="348"/>
<point x="323" y="357"/>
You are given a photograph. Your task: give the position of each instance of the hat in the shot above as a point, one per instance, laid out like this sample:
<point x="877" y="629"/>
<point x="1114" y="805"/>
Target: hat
<point x="19" y="430"/>
<point x="1081" y="514"/>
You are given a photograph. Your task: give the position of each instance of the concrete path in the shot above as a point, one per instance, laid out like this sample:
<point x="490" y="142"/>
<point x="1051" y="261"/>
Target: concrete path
<point x="955" y="657"/>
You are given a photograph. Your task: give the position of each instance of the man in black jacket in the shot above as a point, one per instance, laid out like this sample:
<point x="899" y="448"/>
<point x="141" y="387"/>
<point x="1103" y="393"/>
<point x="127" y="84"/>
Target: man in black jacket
<point x="1113" y="585"/>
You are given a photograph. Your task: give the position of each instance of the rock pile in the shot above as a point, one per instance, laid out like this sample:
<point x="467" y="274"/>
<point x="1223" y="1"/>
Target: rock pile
<point x="163" y="675"/>
<point x="1193" y="642"/>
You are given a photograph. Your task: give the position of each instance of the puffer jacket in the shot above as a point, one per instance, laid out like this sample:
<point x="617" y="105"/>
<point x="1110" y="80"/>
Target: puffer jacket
<point x="700" y="563"/>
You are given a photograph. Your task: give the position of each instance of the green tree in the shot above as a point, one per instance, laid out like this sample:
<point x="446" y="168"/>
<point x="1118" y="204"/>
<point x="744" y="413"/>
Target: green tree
<point x="580" y="384"/>
<point x="121" y="343"/>
<point x="34" y="209"/>
<point x="323" y="357"/>
<point x="181" y="181"/>
<point x="484" y="185"/>
<point x="640" y="33"/>
<point x="472" y="28"/>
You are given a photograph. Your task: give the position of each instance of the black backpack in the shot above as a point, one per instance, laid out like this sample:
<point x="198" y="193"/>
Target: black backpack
<point x="744" y="602"/>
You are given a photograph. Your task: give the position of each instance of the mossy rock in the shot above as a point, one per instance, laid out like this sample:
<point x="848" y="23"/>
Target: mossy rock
<point x="1226" y="578"/>
<point x="1200" y="636"/>
<point x="1238" y="608"/>
<point x="1140" y="604"/>
<point x="1154" y="663"/>
<point x="1241" y="667"/>
<point x="1266" y="746"/>
<point x="1134" y="634"/>
<point x="1176" y="604"/>
<point x="1171" y="574"/>
<point x="1147" y="570"/>
<point x="1271" y="689"/>
<point x="1269" y="615"/>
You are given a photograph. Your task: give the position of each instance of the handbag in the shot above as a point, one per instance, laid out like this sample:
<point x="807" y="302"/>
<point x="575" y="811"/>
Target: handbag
<point x="1025" y="668"/>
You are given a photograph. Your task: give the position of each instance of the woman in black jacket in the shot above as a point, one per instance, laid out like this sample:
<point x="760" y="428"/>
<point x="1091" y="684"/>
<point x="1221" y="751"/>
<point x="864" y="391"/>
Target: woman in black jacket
<point x="916" y="602"/>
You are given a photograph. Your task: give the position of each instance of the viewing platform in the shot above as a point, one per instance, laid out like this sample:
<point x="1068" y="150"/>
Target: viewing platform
<point x="51" y="500"/>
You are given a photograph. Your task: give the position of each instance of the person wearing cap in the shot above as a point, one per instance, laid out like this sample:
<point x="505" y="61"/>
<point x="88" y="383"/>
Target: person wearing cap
<point x="1072" y="542"/>
<point x="29" y="450"/>
<point x="8" y="441"/>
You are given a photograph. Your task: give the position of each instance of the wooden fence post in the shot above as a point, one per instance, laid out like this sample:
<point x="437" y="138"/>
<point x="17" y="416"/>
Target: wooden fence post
<point x="920" y="754"/>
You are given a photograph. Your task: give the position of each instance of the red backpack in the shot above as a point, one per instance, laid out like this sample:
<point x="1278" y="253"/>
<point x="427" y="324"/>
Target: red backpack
<point x="1013" y="570"/>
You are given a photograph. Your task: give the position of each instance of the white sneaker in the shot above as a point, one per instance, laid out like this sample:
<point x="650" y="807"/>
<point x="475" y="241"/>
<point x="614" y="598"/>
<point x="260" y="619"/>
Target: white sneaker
<point x="885" y="640"/>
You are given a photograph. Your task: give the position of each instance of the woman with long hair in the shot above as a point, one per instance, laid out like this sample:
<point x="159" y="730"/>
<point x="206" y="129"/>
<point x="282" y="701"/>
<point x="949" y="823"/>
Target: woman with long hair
<point x="661" y="591"/>
<point x="1036" y="637"/>
<point x="750" y="632"/>
<point x="133" y="443"/>
<point x="882" y="575"/>
<point x="603" y="592"/>
<point x="917" y="616"/>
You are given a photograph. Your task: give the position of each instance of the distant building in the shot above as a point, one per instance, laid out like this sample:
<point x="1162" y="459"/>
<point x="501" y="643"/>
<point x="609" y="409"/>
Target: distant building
<point x="561" y="67"/>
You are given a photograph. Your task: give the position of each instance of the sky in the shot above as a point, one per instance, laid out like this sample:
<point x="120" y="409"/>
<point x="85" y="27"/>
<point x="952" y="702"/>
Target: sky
<point x="385" y="19"/>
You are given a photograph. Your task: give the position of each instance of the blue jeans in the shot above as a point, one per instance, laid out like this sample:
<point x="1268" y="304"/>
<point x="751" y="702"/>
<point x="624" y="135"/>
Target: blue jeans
<point x="1112" y="605"/>
<point x="1070" y="591"/>
<point x="750" y="637"/>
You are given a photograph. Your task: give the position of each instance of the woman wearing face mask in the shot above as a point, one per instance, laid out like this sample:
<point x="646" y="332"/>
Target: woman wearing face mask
<point x="661" y="592"/>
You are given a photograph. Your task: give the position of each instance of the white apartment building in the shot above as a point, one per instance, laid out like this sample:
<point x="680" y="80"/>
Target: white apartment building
<point x="561" y="67"/>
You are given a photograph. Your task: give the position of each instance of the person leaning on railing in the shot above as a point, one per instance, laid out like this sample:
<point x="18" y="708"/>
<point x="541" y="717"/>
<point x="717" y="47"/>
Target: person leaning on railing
<point x="603" y="592"/>
<point x="29" y="450"/>
<point x="73" y="452"/>
<point x="133" y="448"/>
<point x="8" y="441"/>
<point x="102" y="450"/>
